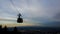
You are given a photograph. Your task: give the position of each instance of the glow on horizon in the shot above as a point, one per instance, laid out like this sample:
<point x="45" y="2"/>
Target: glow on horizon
<point x="26" y="23"/>
<point x="13" y="23"/>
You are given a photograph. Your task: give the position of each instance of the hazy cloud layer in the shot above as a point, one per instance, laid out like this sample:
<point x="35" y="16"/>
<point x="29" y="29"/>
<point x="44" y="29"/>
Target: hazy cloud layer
<point x="42" y="11"/>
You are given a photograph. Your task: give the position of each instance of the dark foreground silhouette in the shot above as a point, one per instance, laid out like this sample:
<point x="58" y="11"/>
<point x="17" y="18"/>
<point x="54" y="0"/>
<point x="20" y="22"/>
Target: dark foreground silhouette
<point x="15" y="30"/>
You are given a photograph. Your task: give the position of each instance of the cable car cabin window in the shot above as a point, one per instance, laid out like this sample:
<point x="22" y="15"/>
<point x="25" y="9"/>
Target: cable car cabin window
<point x="19" y="20"/>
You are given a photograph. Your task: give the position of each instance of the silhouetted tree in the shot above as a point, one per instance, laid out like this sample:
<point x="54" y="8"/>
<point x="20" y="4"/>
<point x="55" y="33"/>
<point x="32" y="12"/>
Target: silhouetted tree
<point x="0" y="27"/>
<point x="5" y="29"/>
<point x="15" y="29"/>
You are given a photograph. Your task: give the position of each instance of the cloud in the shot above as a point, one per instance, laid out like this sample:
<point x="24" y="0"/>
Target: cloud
<point x="34" y="10"/>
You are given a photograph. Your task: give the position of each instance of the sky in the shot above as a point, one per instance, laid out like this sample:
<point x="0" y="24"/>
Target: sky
<point x="34" y="12"/>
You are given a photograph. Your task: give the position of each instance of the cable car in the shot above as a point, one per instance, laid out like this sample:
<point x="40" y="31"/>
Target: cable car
<point x="19" y="19"/>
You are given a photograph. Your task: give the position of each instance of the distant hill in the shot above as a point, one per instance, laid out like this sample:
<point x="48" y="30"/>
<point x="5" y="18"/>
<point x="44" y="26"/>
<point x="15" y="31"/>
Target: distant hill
<point x="36" y="28"/>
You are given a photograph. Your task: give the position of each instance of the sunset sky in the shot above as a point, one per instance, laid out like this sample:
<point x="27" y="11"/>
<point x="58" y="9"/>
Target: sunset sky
<point x="34" y="12"/>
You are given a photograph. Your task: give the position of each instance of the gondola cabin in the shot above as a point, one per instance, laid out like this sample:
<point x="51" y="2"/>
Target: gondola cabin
<point x="19" y="19"/>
